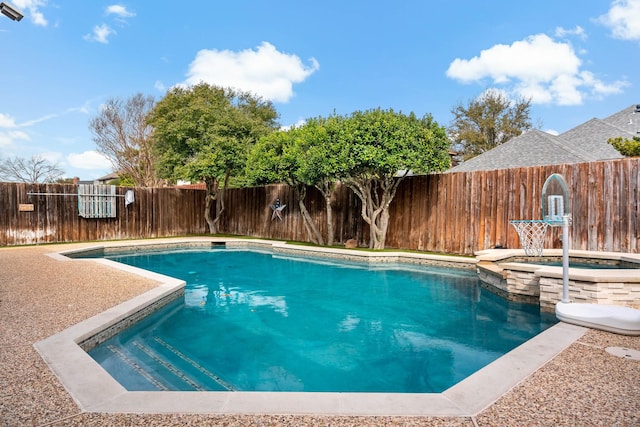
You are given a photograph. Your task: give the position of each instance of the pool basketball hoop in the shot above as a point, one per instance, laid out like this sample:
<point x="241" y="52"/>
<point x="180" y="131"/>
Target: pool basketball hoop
<point x="556" y="212"/>
<point x="531" y="233"/>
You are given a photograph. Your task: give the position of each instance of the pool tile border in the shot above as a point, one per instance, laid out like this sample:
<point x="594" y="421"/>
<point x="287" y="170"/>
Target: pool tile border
<point x="94" y="390"/>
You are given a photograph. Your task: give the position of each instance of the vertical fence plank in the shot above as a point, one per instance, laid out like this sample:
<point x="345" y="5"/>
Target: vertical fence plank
<point x="634" y="205"/>
<point x="610" y="199"/>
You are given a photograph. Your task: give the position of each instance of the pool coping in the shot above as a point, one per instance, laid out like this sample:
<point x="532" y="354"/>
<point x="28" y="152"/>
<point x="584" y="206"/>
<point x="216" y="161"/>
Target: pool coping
<point x="94" y="390"/>
<point x="575" y="273"/>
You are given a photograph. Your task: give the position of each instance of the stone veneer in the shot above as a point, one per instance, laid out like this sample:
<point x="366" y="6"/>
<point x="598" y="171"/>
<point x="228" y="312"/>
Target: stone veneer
<point x="543" y="284"/>
<point x="105" y="334"/>
<point x="616" y="290"/>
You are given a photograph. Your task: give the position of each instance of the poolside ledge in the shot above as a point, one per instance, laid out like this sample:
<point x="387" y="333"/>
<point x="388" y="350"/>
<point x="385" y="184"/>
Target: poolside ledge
<point x="544" y="283"/>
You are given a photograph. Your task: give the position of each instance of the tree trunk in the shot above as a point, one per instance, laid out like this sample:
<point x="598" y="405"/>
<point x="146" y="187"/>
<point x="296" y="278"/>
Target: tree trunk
<point x="210" y="198"/>
<point x="214" y="193"/>
<point x="376" y="196"/>
<point x="376" y="232"/>
<point x="382" y="224"/>
<point x="327" y="191"/>
<point x="220" y="201"/>
<point x="330" y="231"/>
<point x="312" y="230"/>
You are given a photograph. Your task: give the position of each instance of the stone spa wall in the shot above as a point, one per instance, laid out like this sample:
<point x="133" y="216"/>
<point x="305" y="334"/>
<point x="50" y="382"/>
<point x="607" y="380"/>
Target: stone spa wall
<point x="499" y="270"/>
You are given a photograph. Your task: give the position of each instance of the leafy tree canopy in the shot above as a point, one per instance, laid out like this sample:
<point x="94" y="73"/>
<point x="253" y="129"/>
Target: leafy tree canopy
<point x="272" y="159"/>
<point x="487" y="121"/>
<point x="283" y="156"/>
<point x="626" y="147"/>
<point x="369" y="151"/>
<point x="320" y="163"/>
<point x="204" y="132"/>
<point x="378" y="149"/>
<point x="378" y="144"/>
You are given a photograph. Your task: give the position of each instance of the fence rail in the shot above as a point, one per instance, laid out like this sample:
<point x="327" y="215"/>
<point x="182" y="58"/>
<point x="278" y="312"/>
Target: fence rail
<point x="452" y="213"/>
<point x="48" y="213"/>
<point x="463" y="212"/>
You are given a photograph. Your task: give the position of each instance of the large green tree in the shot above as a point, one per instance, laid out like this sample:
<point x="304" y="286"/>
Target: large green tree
<point x="487" y="121"/>
<point x="278" y="157"/>
<point x="378" y="149"/>
<point x="204" y="132"/>
<point x="320" y="163"/>
<point x="302" y="156"/>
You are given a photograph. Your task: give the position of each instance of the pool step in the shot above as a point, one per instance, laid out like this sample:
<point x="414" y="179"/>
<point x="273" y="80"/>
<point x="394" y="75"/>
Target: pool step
<point x="133" y="364"/>
<point x="195" y="365"/>
<point x="161" y="361"/>
<point x="166" y="368"/>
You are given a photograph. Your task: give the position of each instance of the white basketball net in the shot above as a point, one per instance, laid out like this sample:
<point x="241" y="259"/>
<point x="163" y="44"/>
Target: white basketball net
<point x="532" y="234"/>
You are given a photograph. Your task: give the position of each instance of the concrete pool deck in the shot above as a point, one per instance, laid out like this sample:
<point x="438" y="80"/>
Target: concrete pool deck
<point x="40" y="297"/>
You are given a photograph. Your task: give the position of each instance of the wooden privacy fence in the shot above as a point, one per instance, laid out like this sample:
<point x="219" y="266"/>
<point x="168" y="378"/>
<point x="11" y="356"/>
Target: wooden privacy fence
<point x="453" y="213"/>
<point x="463" y="212"/>
<point x="470" y="211"/>
<point x="47" y="213"/>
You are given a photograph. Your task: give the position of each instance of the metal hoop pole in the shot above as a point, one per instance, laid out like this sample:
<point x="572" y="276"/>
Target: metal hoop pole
<point x="565" y="259"/>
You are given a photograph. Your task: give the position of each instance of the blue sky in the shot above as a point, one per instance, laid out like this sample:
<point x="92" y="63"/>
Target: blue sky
<point x="575" y="59"/>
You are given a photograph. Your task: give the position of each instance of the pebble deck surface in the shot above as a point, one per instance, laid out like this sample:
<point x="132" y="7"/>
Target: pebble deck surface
<point x="40" y="296"/>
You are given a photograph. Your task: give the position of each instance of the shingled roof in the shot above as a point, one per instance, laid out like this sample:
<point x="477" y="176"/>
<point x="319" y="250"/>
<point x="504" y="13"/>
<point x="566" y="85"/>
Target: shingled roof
<point x="584" y="143"/>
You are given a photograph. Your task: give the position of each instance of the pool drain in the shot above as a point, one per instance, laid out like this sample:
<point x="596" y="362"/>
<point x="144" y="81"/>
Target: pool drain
<point x="626" y="353"/>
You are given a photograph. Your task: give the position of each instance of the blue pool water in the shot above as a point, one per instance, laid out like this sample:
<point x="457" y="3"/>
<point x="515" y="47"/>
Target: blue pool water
<point x="257" y="321"/>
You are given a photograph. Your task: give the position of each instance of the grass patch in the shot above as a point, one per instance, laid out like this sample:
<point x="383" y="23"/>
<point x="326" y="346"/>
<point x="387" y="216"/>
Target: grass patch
<point x="296" y="243"/>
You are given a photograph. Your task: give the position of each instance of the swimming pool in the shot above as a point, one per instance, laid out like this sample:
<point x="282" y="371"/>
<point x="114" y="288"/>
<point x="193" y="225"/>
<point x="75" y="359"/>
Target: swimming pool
<point x="256" y="320"/>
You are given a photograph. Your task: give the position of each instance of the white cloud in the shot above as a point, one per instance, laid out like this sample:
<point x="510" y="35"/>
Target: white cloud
<point x="120" y="11"/>
<point x="100" y="34"/>
<point x="578" y="32"/>
<point x="52" y="156"/>
<point x="35" y="121"/>
<point x="600" y="88"/>
<point x="623" y="19"/>
<point x="10" y="137"/>
<point x="38" y="18"/>
<point x="33" y="6"/>
<point x="264" y="71"/>
<point x="537" y="57"/>
<point x="88" y="160"/>
<point x="297" y="124"/>
<point x="6" y="121"/>
<point x="159" y="86"/>
<point x="547" y="71"/>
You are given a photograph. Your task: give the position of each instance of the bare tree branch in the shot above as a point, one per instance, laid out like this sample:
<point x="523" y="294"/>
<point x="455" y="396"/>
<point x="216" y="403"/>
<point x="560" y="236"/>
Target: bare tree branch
<point x="34" y="170"/>
<point x="122" y="134"/>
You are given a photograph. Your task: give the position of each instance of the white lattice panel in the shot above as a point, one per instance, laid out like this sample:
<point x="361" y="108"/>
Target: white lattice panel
<point x="97" y="201"/>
